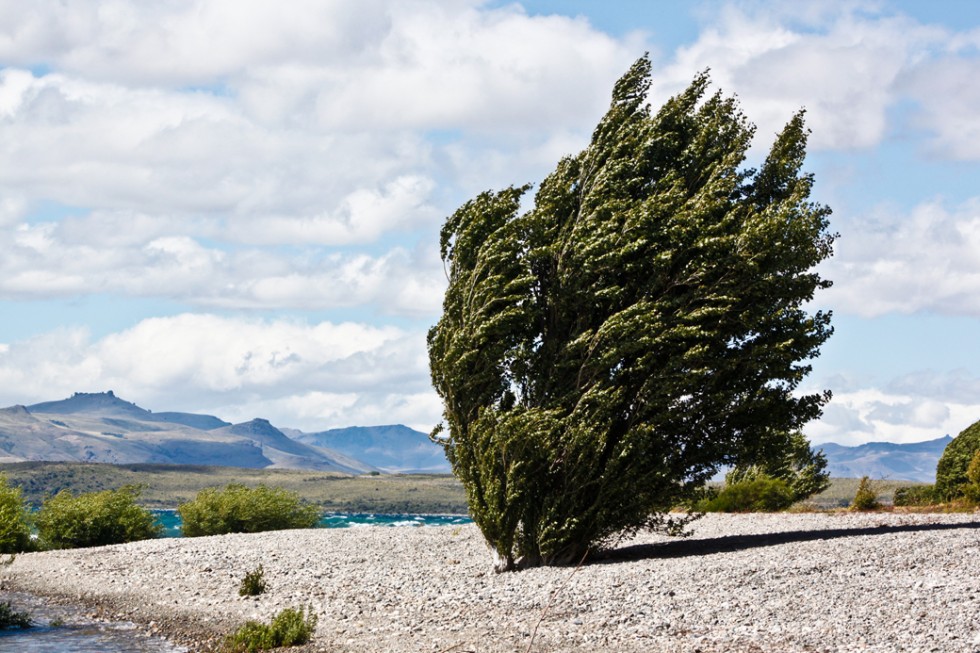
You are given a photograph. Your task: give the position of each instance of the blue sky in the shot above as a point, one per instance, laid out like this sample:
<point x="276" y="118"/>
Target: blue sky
<point x="233" y="207"/>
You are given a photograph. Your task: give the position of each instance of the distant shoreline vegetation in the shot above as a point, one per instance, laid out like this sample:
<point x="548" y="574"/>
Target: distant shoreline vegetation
<point x="167" y="486"/>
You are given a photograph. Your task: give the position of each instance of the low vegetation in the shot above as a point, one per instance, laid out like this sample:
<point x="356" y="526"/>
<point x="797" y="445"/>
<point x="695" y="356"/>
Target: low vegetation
<point x="167" y="486"/>
<point x="915" y="496"/>
<point x="11" y="618"/>
<point x="15" y="521"/>
<point x="67" y="521"/>
<point x="290" y="627"/>
<point x="241" y="509"/>
<point x="254" y="583"/>
<point x="758" y="494"/>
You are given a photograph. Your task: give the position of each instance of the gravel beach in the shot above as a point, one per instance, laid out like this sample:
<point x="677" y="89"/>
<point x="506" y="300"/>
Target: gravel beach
<point x="878" y="582"/>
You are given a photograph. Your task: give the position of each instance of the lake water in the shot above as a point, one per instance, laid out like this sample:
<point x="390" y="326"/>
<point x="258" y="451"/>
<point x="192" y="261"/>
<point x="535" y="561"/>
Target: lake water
<point x="170" y="520"/>
<point x="63" y="629"/>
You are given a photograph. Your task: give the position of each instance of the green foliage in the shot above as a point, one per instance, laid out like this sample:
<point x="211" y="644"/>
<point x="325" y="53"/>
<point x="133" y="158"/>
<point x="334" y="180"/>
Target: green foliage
<point x="602" y="354"/>
<point x="759" y="493"/>
<point x="971" y="489"/>
<point x="240" y="509"/>
<point x="10" y="618"/>
<point x="788" y="457"/>
<point x="254" y="582"/>
<point x="68" y="521"/>
<point x="916" y="495"/>
<point x="951" y="471"/>
<point x="866" y="497"/>
<point x="288" y="628"/>
<point x="15" y="520"/>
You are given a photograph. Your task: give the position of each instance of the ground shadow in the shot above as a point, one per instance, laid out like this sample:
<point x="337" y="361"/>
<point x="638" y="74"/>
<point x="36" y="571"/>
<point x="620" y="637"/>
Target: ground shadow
<point x="681" y="548"/>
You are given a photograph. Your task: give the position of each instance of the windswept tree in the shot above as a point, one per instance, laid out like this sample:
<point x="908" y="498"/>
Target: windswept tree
<point x="602" y="354"/>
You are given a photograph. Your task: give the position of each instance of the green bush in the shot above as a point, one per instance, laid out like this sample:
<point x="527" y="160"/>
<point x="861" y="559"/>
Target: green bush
<point x="288" y="628"/>
<point x="10" y="618"/>
<point x="240" y="509"/>
<point x="66" y="521"/>
<point x="971" y="489"/>
<point x="916" y="495"/>
<point x="951" y="470"/>
<point x="15" y="522"/>
<point x="866" y="498"/>
<point x="254" y="582"/>
<point x="758" y="494"/>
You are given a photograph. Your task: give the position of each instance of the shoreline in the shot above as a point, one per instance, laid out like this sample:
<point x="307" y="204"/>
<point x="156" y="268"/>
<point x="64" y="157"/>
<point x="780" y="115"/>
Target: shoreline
<point x="787" y="582"/>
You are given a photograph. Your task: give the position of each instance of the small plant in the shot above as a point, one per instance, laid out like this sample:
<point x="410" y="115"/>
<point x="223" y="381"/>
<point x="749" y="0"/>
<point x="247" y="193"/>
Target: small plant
<point x="288" y="628"/>
<point x="240" y="509"/>
<point x="254" y="582"/>
<point x="916" y="495"/>
<point x="10" y="618"/>
<point x="15" y="522"/>
<point x="66" y="521"/>
<point x="866" y="498"/>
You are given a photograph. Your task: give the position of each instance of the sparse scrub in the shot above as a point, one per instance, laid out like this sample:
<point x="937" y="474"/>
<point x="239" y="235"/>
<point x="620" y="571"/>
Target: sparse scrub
<point x="15" y="523"/>
<point x="67" y="521"/>
<point x="240" y="509"/>
<point x="759" y="494"/>
<point x="254" y="582"/>
<point x="288" y="628"/>
<point x="915" y="495"/>
<point x="866" y="497"/>
<point x="10" y="618"/>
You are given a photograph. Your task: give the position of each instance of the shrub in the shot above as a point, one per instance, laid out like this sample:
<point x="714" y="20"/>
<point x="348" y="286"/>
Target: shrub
<point x="866" y="498"/>
<point x="759" y="494"/>
<point x="15" y="522"/>
<point x="254" y="583"/>
<point x="239" y="509"/>
<point x="67" y="521"/>
<point x="951" y="470"/>
<point x="288" y="628"/>
<point x="916" y="495"/>
<point x="10" y="618"/>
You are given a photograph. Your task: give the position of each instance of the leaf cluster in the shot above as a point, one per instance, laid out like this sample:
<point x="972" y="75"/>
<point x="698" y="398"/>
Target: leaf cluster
<point x="240" y="509"/>
<point x="68" y="521"/>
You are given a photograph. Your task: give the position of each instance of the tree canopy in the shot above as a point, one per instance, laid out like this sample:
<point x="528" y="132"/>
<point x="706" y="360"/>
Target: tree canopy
<point x="602" y="354"/>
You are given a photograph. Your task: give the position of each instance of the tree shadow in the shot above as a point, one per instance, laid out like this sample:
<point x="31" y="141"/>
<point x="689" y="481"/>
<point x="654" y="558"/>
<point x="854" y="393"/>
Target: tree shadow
<point x="682" y="548"/>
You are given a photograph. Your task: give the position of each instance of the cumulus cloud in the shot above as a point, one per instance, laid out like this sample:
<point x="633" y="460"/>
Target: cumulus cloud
<point x="918" y="406"/>
<point x="310" y="376"/>
<point x="927" y="259"/>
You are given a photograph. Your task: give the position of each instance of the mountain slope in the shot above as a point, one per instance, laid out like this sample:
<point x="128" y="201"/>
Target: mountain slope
<point x="100" y="427"/>
<point x="394" y="448"/>
<point x="915" y="461"/>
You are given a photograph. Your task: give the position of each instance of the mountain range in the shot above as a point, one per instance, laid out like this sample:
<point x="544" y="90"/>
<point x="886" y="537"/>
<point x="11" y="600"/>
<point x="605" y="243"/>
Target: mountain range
<point x="101" y="427"/>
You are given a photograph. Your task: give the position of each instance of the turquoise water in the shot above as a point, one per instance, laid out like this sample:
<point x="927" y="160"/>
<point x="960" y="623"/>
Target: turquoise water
<point x="64" y="629"/>
<point x="170" y="520"/>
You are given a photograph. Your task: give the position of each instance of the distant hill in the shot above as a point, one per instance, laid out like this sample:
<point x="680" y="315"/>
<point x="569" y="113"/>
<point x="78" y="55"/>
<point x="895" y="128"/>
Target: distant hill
<point x="394" y="448"/>
<point x="915" y="461"/>
<point x="100" y="427"/>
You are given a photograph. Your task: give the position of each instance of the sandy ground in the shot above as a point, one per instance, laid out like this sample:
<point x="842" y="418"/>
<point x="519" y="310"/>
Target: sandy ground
<point x="802" y="582"/>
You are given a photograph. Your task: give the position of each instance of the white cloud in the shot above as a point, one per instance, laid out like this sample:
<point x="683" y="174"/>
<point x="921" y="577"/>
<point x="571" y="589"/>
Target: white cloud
<point x="896" y="262"/>
<point x="919" y="406"/>
<point x="311" y="376"/>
